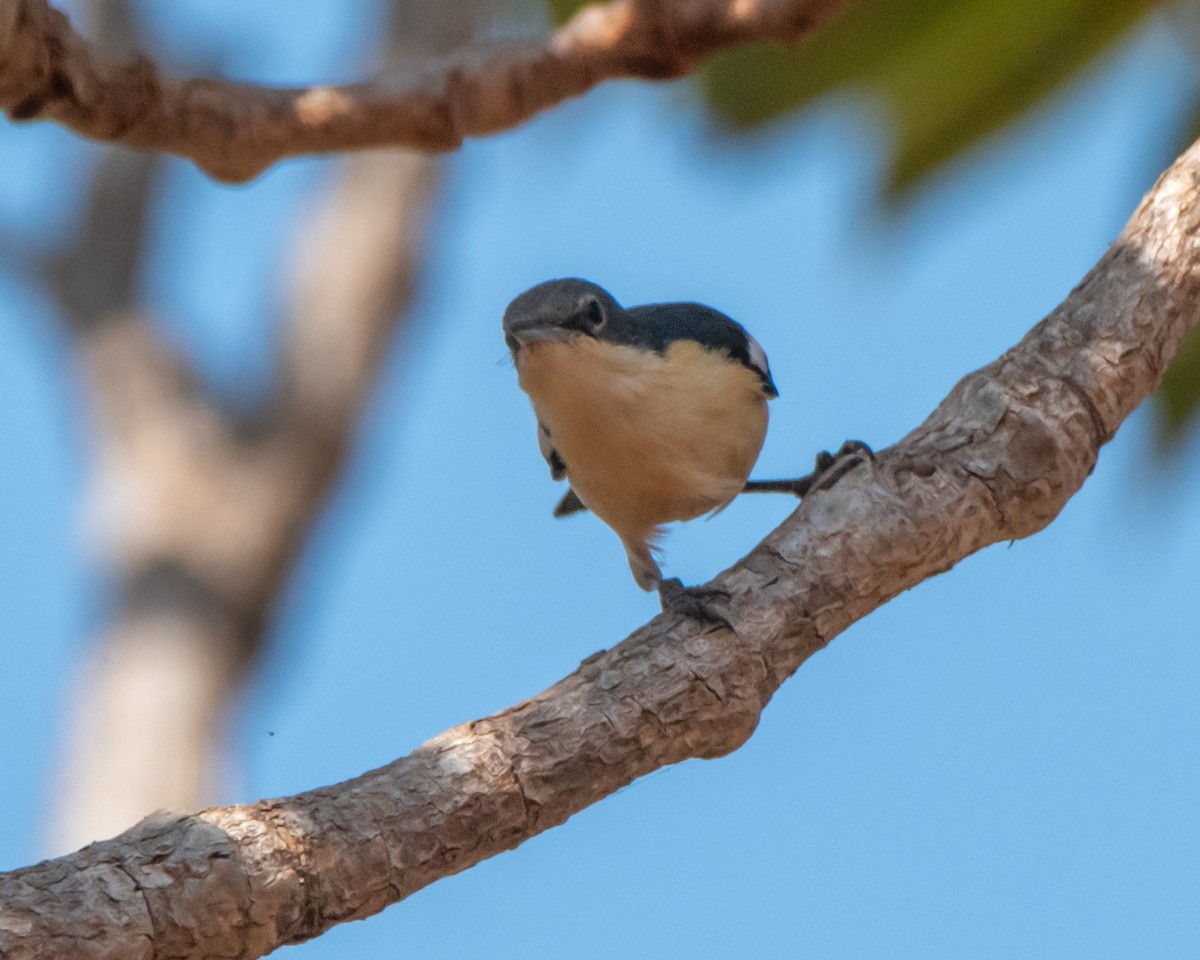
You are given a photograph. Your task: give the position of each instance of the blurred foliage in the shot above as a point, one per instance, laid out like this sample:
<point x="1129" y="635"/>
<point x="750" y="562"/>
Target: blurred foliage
<point x="1179" y="396"/>
<point x="561" y="10"/>
<point x="949" y="73"/>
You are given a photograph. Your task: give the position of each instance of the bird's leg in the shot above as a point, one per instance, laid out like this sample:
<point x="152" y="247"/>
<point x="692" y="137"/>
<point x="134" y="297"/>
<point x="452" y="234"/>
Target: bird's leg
<point x="700" y="603"/>
<point x="828" y="470"/>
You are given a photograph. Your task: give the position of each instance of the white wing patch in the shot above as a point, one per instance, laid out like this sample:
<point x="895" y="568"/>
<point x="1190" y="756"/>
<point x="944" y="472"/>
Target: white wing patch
<point x="758" y="358"/>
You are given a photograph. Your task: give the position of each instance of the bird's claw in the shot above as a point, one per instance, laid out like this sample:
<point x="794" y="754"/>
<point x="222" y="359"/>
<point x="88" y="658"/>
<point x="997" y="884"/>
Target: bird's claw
<point x="828" y="469"/>
<point x="831" y="467"/>
<point x="705" y="604"/>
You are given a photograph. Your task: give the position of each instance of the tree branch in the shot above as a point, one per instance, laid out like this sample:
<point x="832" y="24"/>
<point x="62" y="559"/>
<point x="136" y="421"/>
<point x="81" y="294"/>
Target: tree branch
<point x="234" y="131"/>
<point x="997" y="460"/>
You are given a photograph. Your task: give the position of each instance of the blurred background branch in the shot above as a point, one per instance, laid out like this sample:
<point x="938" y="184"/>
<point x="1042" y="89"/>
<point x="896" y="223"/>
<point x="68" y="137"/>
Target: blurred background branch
<point x="200" y="509"/>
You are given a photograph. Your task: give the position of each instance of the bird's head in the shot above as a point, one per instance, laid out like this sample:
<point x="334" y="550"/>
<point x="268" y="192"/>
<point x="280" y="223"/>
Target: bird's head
<point x="558" y="310"/>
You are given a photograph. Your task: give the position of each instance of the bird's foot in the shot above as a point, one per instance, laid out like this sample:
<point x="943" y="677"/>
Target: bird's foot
<point x="831" y="467"/>
<point x="700" y="603"/>
<point x="828" y="470"/>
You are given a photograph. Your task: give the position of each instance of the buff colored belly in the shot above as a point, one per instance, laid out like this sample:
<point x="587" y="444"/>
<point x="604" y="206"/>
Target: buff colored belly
<point x="647" y="439"/>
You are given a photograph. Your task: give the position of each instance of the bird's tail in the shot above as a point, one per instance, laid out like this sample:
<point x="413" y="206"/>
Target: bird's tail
<point x="569" y="504"/>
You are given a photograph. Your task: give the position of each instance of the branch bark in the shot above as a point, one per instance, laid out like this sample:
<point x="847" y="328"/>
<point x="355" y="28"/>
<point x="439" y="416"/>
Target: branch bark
<point x="234" y="131"/>
<point x="997" y="460"/>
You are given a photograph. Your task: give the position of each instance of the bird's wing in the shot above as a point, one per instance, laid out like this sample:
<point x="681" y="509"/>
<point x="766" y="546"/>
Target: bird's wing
<point x="657" y="325"/>
<point x="558" y="469"/>
<point x="570" y="503"/>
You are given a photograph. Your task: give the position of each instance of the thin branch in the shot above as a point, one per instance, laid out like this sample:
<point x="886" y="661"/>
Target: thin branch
<point x="997" y="460"/>
<point x="234" y="131"/>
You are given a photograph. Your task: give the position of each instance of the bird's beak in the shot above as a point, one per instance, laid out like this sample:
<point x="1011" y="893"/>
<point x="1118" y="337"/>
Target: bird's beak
<point x="518" y="336"/>
<point x="535" y="332"/>
<point x="532" y="334"/>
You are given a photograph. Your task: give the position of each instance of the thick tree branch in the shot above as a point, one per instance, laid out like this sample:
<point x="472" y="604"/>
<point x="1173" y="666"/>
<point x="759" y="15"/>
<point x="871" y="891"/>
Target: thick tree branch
<point x="997" y="460"/>
<point x="234" y="131"/>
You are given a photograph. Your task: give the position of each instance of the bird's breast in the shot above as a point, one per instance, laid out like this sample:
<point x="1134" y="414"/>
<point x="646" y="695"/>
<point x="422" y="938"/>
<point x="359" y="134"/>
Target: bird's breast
<point x="647" y="438"/>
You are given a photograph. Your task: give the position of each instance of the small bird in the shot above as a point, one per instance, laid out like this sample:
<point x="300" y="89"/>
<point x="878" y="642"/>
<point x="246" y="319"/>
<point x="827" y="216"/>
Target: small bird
<point x="654" y="413"/>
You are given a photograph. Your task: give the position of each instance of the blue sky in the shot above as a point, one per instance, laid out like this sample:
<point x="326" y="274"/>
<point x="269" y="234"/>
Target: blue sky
<point x="1001" y="762"/>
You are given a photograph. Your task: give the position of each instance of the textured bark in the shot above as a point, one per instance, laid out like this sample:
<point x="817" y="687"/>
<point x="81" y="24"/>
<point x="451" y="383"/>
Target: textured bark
<point x="997" y="460"/>
<point x="199" y="512"/>
<point x="234" y="131"/>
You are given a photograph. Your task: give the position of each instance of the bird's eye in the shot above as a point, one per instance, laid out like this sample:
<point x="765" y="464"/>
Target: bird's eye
<point x="593" y="314"/>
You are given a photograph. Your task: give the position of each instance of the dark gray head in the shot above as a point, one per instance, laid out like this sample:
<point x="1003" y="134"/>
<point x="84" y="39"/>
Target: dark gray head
<point x="561" y="309"/>
<point x="558" y="309"/>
